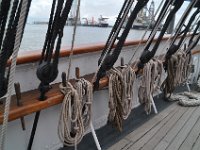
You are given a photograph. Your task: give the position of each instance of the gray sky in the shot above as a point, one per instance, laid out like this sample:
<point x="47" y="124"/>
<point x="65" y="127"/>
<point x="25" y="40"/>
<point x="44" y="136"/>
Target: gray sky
<point x="40" y="9"/>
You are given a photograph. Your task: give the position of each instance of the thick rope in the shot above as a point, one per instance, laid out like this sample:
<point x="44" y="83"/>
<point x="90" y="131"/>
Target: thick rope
<point x="120" y="94"/>
<point x="178" y="70"/>
<point x="114" y="37"/>
<point x="186" y="99"/>
<point x="76" y="112"/>
<point x="70" y="126"/>
<point x="85" y="92"/>
<point x="19" y="32"/>
<point x="146" y="31"/>
<point x="150" y="83"/>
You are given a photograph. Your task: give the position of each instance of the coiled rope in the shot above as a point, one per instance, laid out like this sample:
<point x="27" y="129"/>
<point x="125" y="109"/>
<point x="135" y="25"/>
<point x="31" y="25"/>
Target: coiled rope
<point x="178" y="70"/>
<point x="70" y="126"/>
<point x="186" y="99"/>
<point x="85" y="92"/>
<point x="120" y="94"/>
<point x="150" y="82"/>
<point x="76" y="112"/>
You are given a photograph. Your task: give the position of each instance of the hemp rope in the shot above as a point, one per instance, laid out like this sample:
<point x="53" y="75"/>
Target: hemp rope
<point x="120" y="94"/>
<point x="85" y="92"/>
<point x="19" y="32"/>
<point x="76" y="104"/>
<point x="70" y="126"/>
<point x="150" y="82"/>
<point x="178" y="70"/>
<point x="76" y="112"/>
<point x="186" y="99"/>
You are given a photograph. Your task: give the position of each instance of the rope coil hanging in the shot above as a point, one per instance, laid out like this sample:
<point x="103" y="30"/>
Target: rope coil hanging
<point x="70" y="126"/>
<point x="120" y="94"/>
<point x="178" y="70"/>
<point x="85" y="92"/>
<point x="150" y="82"/>
<point x="109" y="55"/>
<point x="77" y="104"/>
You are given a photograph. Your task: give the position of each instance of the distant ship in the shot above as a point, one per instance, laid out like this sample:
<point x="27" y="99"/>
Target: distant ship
<point x="102" y="22"/>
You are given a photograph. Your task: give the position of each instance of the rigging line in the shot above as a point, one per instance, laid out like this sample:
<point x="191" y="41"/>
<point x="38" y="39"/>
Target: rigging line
<point x="48" y="34"/>
<point x="174" y="47"/>
<point x="3" y="55"/>
<point x="155" y="27"/>
<point x="7" y="47"/>
<point x="4" y="21"/>
<point x="194" y="32"/>
<point x="73" y="40"/>
<point x="142" y="39"/>
<point x="164" y="13"/>
<point x="192" y="19"/>
<point x="55" y="30"/>
<point x="197" y="20"/>
<point x="19" y="32"/>
<point x="183" y="18"/>
<point x="194" y="43"/>
<point x="110" y="59"/>
<point x="48" y="71"/>
<point x="62" y="24"/>
<point x="160" y="19"/>
<point x="147" y="55"/>
<point x="115" y="32"/>
<point x="180" y="23"/>
<point x="116" y="25"/>
<point x="4" y="15"/>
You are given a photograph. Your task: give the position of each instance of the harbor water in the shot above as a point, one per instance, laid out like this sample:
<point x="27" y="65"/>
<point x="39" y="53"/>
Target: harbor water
<point x="34" y="36"/>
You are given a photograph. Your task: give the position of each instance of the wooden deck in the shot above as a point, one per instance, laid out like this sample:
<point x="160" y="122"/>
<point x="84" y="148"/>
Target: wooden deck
<point x="175" y="128"/>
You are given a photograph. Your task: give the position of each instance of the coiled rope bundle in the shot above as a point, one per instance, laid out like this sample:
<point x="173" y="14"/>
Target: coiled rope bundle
<point x="76" y="112"/>
<point x="120" y="94"/>
<point x="85" y="92"/>
<point x="178" y="69"/>
<point x="150" y="83"/>
<point x="187" y="99"/>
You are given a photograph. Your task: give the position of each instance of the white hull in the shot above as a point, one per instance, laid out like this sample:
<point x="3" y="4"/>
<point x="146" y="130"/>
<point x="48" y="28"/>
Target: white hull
<point x="46" y="135"/>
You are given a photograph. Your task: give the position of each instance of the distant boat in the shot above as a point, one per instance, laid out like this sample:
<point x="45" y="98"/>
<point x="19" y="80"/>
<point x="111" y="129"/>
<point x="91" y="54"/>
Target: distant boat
<point x="102" y="22"/>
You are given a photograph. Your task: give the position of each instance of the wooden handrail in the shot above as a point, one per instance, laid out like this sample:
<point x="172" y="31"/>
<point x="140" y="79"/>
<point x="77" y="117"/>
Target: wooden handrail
<point x="34" y="56"/>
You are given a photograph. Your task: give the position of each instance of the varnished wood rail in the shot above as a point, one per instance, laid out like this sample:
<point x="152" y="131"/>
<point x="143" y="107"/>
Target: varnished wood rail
<point x="34" y="56"/>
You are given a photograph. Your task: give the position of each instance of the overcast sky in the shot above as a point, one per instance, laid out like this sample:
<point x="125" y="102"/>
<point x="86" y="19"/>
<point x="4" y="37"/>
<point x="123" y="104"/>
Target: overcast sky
<point x="40" y="9"/>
